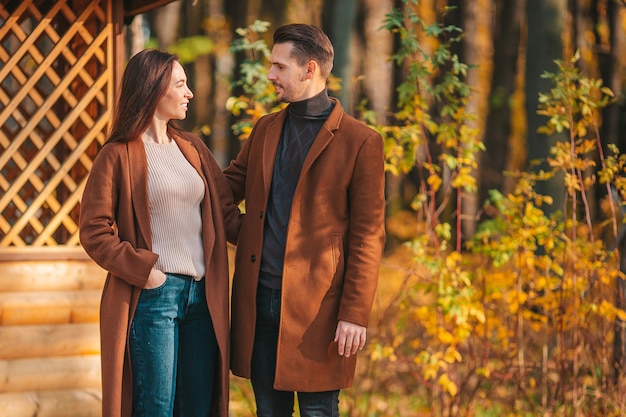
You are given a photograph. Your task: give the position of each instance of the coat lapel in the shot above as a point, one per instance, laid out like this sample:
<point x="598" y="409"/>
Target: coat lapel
<point x="138" y="165"/>
<point x="324" y="137"/>
<point x="190" y="152"/>
<point x="270" y="147"/>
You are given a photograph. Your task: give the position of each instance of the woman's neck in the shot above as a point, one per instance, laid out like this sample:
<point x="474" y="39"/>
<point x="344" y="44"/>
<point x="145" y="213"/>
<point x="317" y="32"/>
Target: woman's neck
<point x="154" y="134"/>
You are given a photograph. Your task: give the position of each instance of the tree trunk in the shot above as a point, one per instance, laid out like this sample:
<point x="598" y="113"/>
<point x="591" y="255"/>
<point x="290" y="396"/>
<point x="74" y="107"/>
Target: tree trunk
<point x="613" y="131"/>
<point x="506" y="42"/>
<point x="545" y="26"/>
<point x="619" y="344"/>
<point x="274" y="11"/>
<point x="338" y="19"/>
<point x="191" y="20"/>
<point x="237" y="14"/>
<point x="611" y="69"/>
<point x="477" y="51"/>
<point x="221" y="62"/>
<point x="377" y="45"/>
<point x="166" y="19"/>
<point x="136" y="38"/>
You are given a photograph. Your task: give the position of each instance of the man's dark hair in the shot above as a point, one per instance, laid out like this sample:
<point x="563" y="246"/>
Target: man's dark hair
<point x="309" y="43"/>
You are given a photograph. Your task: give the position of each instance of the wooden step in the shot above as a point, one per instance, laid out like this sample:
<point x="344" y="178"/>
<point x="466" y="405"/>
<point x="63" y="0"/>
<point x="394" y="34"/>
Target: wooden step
<point x="20" y="342"/>
<point x="49" y="307"/>
<point x="50" y="275"/>
<point x="49" y="333"/>
<point x="56" y="403"/>
<point x="50" y="373"/>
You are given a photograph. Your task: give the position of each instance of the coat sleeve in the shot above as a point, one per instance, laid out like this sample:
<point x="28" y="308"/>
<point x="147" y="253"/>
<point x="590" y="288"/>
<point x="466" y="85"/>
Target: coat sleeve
<point x="107" y="196"/>
<point x="366" y="232"/>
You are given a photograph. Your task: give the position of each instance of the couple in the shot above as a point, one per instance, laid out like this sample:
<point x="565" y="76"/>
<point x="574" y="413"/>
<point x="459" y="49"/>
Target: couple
<point x="157" y="212"/>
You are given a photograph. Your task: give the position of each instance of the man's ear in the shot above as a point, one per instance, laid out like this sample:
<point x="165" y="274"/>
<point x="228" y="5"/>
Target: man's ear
<point x="311" y="68"/>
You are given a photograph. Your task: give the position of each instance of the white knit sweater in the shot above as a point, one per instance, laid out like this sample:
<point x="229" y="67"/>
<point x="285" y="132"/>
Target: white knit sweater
<point x="175" y="191"/>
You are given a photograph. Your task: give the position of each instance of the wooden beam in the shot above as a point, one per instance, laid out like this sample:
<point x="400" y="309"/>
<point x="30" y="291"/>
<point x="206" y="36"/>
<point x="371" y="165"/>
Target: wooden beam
<point x="50" y="373"/>
<point x="59" y="403"/>
<point x="22" y="342"/>
<point x="53" y="307"/>
<point x="12" y="253"/>
<point x="51" y="275"/>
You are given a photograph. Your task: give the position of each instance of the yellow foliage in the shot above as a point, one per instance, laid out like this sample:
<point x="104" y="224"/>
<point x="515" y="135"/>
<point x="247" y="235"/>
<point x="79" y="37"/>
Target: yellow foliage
<point x="452" y="355"/>
<point x="447" y="385"/>
<point x="380" y="352"/>
<point x="446" y="337"/>
<point x="434" y="181"/>
<point x="482" y="371"/>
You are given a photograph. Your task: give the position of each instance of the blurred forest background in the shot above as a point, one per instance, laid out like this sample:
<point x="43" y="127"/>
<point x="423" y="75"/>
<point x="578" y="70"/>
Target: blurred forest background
<point x="507" y="44"/>
<point x="501" y="292"/>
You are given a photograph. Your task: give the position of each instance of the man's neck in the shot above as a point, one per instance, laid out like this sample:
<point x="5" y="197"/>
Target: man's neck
<point x="311" y="106"/>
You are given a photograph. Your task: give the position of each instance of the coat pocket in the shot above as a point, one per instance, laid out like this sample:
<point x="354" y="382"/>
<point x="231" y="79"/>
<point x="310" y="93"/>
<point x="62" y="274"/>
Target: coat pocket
<point x="338" y="260"/>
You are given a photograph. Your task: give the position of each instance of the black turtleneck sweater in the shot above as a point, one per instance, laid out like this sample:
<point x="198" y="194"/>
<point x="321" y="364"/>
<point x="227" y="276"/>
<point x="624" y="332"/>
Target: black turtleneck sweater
<point x="304" y="121"/>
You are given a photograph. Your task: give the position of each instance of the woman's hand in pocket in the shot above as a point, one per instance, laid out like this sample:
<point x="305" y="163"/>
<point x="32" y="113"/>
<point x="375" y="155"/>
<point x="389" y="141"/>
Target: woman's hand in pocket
<point x="156" y="279"/>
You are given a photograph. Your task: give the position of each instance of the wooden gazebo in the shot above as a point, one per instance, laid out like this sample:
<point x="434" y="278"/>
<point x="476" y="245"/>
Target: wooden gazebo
<point x="60" y="64"/>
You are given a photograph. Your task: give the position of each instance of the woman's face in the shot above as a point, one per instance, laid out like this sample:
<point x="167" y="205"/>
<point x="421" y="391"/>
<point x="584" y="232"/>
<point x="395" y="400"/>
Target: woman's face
<point x="175" y="103"/>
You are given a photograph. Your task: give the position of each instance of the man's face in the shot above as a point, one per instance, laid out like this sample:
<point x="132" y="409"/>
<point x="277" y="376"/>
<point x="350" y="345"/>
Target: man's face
<point x="289" y="78"/>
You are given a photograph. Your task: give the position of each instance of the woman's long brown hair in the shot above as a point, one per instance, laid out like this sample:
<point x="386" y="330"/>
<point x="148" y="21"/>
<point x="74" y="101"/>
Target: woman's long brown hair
<point x="145" y="80"/>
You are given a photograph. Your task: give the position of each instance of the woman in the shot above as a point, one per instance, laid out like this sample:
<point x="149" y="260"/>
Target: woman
<point x="156" y="214"/>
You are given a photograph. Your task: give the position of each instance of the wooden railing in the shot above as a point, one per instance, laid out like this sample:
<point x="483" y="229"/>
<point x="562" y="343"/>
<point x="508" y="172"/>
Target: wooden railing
<point x="57" y="75"/>
<point x="56" y="94"/>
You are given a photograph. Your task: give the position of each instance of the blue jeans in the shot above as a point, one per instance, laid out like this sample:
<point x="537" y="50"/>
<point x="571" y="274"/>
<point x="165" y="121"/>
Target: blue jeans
<point x="173" y="350"/>
<point x="271" y="402"/>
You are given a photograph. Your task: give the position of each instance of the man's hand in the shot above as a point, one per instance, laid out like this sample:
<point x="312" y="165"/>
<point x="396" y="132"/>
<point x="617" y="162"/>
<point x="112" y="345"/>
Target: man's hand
<point x="350" y="337"/>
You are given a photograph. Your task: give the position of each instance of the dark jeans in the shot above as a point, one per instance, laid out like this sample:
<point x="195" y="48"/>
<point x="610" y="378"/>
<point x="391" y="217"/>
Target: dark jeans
<point x="270" y="402"/>
<point x="173" y="350"/>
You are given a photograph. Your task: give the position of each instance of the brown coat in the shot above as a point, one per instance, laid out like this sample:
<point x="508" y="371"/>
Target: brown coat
<point x="116" y="196"/>
<point x="334" y="246"/>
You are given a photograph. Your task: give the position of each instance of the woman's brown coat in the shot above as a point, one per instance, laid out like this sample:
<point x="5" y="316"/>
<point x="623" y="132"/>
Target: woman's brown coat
<point x="334" y="245"/>
<point x="115" y="232"/>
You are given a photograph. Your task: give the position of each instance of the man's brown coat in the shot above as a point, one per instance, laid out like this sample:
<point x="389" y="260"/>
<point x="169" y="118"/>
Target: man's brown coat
<point x="115" y="232"/>
<point x="334" y="245"/>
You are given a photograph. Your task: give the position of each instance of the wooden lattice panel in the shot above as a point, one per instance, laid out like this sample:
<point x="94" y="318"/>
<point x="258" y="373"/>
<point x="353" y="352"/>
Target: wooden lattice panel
<point x="56" y="87"/>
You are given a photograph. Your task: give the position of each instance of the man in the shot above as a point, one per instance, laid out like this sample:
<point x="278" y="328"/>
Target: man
<point x="312" y="238"/>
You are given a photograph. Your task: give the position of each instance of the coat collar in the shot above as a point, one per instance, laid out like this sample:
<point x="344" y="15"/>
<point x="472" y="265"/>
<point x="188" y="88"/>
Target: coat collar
<point x="274" y="132"/>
